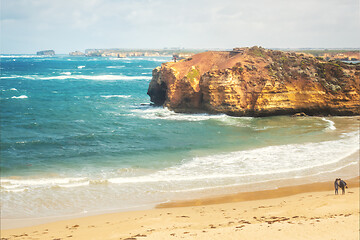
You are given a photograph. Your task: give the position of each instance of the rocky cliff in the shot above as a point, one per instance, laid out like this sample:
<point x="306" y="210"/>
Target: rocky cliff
<point x="257" y="82"/>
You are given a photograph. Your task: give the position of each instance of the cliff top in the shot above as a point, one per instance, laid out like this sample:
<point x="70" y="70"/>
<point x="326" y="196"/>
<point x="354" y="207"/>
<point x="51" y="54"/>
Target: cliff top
<point x="261" y="59"/>
<point x="219" y="60"/>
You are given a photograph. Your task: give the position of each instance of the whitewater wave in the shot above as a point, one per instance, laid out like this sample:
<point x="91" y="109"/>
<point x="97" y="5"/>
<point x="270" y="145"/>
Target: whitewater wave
<point x="68" y="75"/>
<point x="285" y="160"/>
<point x="259" y="181"/>
<point x="115" y="96"/>
<point x="98" y="78"/>
<point x="11" y="89"/>
<point x="158" y="60"/>
<point x="18" y="185"/>
<point x="331" y="124"/>
<point x="166" y="114"/>
<point x="120" y="59"/>
<point x="80" y="67"/>
<point x="20" y="97"/>
<point x="22" y="56"/>
<point x="152" y="59"/>
<point x="220" y="170"/>
<point x="115" y="66"/>
<point x="65" y="73"/>
<point x="7" y="77"/>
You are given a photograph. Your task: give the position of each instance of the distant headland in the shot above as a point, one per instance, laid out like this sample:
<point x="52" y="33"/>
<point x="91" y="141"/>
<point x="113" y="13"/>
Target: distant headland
<point x="122" y="53"/>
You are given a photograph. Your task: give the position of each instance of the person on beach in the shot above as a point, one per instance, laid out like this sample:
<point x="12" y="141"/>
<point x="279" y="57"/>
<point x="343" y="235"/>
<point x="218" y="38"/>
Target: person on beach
<point x="336" y="185"/>
<point x="342" y="184"/>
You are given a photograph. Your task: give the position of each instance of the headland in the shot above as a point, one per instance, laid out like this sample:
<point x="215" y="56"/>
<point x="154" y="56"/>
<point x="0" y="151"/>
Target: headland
<point x="257" y="82"/>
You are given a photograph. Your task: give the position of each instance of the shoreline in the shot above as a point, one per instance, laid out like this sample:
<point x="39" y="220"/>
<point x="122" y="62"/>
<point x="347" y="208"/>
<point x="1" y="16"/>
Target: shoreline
<point x="280" y="192"/>
<point x="326" y="167"/>
<point x="259" y="191"/>
<point x="228" y="199"/>
<point x="261" y="210"/>
<point x="226" y="195"/>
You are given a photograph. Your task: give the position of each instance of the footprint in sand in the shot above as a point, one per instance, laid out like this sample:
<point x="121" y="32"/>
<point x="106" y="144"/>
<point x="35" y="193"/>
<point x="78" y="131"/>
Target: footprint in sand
<point x="140" y="235"/>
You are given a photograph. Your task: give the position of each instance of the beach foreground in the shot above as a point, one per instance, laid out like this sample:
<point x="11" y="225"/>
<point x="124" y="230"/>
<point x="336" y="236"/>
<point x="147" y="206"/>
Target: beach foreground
<point x="309" y="211"/>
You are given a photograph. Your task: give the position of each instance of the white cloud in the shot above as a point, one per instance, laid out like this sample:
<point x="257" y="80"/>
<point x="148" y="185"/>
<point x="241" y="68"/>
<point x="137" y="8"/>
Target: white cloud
<point x="66" y="25"/>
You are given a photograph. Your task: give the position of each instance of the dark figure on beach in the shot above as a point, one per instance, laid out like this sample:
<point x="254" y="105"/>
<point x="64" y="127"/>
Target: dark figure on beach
<point x="342" y="185"/>
<point x="336" y="185"/>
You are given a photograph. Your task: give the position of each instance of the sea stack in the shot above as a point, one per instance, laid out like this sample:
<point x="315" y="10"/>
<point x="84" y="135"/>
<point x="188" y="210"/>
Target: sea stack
<point x="46" y="52"/>
<point x="257" y="82"/>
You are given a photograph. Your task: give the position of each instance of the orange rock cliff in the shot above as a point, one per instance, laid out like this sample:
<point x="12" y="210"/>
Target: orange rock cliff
<point x="257" y="82"/>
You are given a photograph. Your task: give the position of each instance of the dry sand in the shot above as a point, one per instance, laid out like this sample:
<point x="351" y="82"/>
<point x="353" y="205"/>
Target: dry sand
<point x="309" y="211"/>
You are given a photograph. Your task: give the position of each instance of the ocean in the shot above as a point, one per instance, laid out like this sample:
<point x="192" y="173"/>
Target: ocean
<point x="79" y="136"/>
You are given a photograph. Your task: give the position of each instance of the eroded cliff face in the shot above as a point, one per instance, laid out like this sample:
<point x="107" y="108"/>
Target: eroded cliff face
<point x="257" y="82"/>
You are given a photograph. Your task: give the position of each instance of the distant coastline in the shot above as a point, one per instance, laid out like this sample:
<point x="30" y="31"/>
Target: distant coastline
<point x="122" y="53"/>
<point x="326" y="54"/>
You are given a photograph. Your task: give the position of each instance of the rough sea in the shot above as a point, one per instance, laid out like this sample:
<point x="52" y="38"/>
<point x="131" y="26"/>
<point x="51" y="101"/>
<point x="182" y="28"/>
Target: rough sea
<point x="78" y="135"/>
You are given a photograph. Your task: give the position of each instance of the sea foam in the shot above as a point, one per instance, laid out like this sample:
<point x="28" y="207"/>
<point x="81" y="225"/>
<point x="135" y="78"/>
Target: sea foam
<point x="96" y="77"/>
<point x="166" y="114"/>
<point x="260" y="164"/>
<point x="22" y="56"/>
<point x="286" y="161"/>
<point x="115" y="66"/>
<point x="331" y="124"/>
<point x="115" y="96"/>
<point x="20" y="97"/>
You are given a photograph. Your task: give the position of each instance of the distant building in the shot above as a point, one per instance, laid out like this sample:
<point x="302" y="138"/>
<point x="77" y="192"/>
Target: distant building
<point x="46" y="52"/>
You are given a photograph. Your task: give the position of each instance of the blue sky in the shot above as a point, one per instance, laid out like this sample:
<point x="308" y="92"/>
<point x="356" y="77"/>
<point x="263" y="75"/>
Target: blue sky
<point x="68" y="25"/>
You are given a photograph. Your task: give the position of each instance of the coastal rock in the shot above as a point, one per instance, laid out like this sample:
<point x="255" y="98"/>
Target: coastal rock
<point x="77" y="53"/>
<point x="257" y="82"/>
<point x="46" y="52"/>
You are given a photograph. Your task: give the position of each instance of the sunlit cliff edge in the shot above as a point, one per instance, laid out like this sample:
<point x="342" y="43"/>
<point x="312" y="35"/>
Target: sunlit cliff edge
<point x="257" y="82"/>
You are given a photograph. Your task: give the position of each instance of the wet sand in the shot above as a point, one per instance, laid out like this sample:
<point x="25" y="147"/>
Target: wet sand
<point x="310" y="211"/>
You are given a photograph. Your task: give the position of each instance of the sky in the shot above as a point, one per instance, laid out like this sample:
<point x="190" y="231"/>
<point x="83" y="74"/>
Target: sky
<point x="28" y="26"/>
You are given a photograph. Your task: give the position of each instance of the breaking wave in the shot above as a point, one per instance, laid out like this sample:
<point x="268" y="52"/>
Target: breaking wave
<point x="68" y="75"/>
<point x="250" y="166"/>
<point x="166" y="114"/>
<point x="20" y="97"/>
<point x="331" y="124"/>
<point x="115" y="96"/>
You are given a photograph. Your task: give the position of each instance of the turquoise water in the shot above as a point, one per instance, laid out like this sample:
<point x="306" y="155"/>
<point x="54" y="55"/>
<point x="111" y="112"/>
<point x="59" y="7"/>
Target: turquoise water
<point x="78" y="135"/>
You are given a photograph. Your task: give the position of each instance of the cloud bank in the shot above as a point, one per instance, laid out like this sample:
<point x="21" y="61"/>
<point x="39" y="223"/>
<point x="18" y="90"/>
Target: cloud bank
<point x="67" y="25"/>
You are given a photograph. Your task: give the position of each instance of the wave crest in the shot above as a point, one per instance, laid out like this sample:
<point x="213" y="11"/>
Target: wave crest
<point x="20" y="97"/>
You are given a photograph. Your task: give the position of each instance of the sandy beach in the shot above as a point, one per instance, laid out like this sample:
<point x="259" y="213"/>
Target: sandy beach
<point x="310" y="211"/>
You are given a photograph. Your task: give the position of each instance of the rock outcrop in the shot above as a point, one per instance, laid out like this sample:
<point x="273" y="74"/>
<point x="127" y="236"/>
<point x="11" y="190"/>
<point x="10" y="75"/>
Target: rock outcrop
<point x="46" y="52"/>
<point x="77" y="53"/>
<point x="257" y="82"/>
